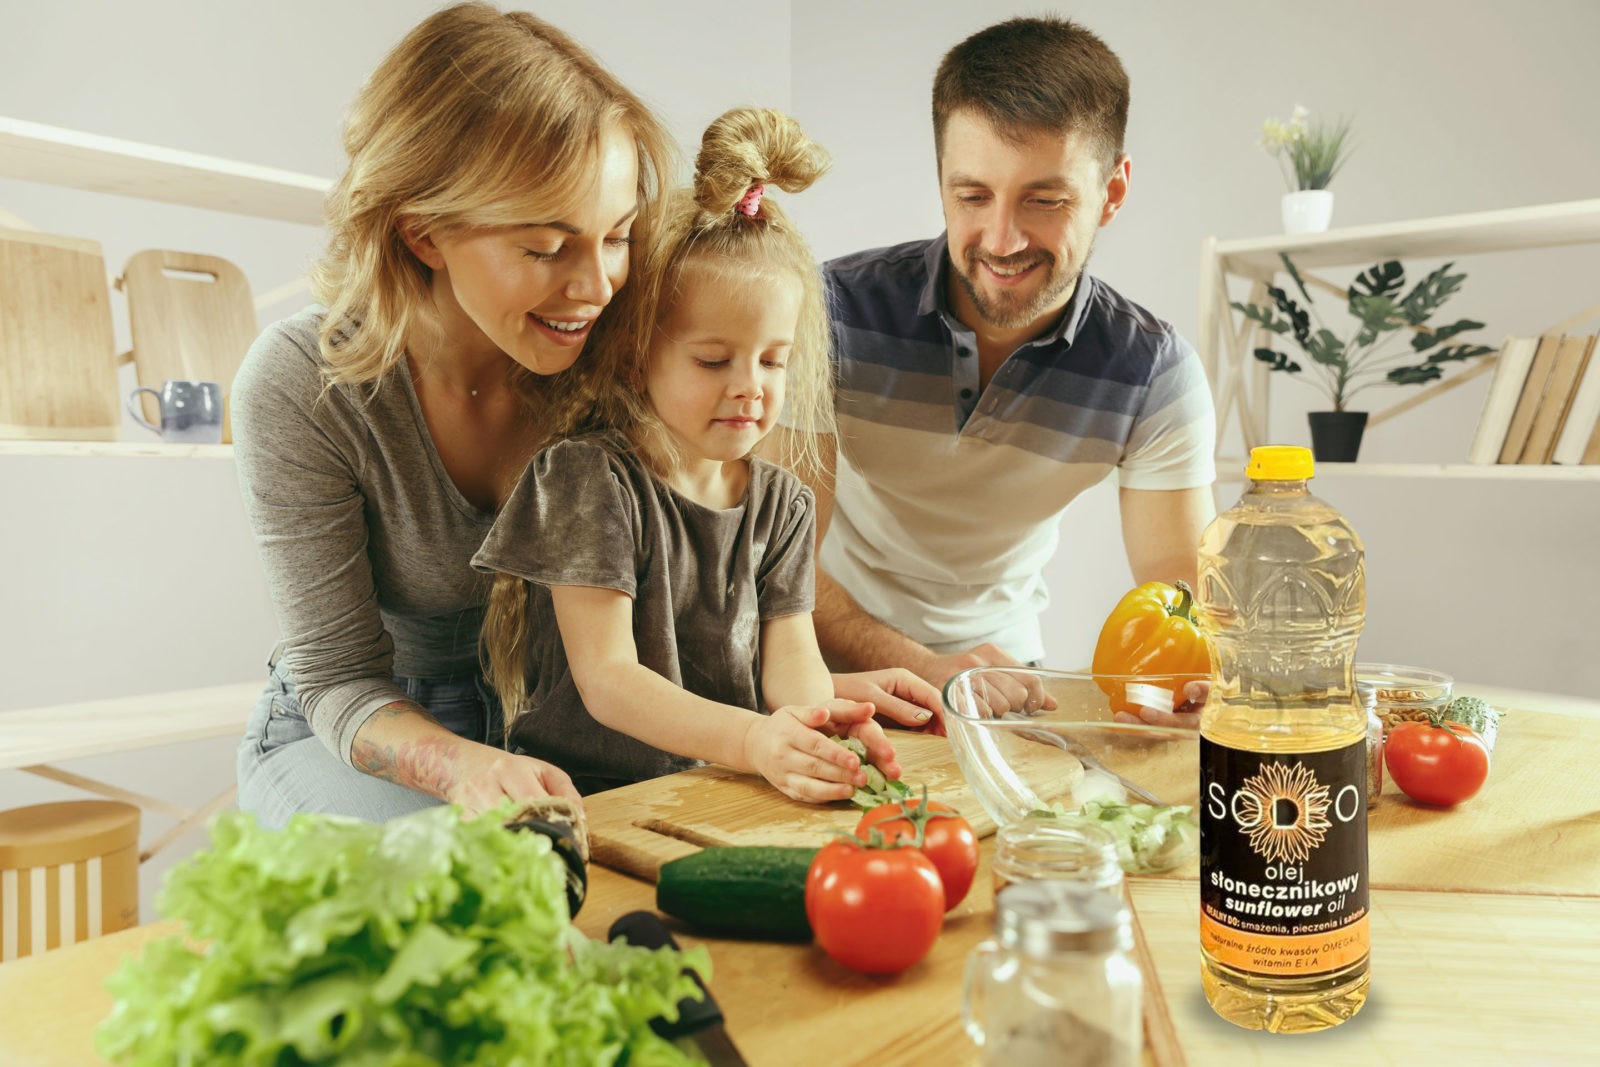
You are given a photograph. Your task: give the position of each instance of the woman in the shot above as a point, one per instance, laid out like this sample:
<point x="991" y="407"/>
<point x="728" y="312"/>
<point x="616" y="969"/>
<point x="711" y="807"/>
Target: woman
<point x="497" y="177"/>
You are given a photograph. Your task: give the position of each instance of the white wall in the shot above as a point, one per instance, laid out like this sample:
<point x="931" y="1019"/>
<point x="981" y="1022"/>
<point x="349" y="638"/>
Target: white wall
<point x="125" y="576"/>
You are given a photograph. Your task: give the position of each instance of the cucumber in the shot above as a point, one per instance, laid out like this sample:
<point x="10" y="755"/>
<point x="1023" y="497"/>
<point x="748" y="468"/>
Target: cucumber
<point x="758" y="892"/>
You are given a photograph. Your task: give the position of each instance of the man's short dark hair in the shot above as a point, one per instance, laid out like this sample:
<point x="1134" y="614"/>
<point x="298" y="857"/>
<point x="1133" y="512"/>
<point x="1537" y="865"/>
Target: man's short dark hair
<point x="1027" y="75"/>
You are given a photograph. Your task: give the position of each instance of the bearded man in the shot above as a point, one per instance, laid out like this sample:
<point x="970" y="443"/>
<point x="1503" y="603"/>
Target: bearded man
<point x="986" y="380"/>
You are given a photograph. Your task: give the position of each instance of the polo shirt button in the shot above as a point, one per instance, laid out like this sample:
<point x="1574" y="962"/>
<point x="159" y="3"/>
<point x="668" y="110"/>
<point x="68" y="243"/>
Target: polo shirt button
<point x="966" y="394"/>
<point x="963" y="352"/>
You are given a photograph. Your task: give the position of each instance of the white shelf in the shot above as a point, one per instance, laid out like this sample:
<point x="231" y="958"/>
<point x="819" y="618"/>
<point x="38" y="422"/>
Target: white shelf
<point x="118" y="449"/>
<point x="1542" y="226"/>
<point x="1231" y="469"/>
<point x="1241" y="385"/>
<point x="34" y="152"/>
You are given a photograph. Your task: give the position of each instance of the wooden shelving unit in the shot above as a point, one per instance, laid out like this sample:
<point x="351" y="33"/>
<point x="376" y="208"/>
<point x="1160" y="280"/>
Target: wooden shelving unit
<point x="1241" y="385"/>
<point x="34" y="152"/>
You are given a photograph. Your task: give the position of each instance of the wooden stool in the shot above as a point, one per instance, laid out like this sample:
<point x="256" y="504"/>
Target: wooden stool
<point x="68" y="872"/>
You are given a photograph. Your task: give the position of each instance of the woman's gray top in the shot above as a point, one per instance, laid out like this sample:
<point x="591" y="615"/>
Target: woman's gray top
<point x="364" y="538"/>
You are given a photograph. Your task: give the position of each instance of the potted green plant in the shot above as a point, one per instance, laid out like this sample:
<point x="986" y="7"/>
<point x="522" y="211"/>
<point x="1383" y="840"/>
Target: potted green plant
<point x="1310" y="154"/>
<point x="1394" y="344"/>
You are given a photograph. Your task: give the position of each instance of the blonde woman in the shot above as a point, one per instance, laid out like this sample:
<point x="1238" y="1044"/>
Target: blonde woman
<point x="498" y="178"/>
<point x="655" y="577"/>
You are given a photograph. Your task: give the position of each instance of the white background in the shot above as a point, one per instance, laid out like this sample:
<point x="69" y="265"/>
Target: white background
<point x="121" y="576"/>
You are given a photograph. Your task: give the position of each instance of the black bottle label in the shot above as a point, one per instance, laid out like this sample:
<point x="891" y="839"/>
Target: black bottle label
<point x="1283" y="859"/>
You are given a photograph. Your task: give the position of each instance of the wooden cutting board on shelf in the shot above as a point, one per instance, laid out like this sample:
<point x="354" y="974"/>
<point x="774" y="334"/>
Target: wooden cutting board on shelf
<point x="639" y="827"/>
<point x="58" y="364"/>
<point x="191" y="316"/>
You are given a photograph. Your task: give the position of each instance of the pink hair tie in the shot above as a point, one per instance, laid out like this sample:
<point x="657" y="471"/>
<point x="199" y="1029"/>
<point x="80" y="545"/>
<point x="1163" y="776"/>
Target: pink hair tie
<point x="750" y="203"/>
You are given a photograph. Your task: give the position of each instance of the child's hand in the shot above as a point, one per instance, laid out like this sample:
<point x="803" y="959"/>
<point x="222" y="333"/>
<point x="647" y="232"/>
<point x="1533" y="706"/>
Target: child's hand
<point x="851" y="718"/>
<point x="789" y="749"/>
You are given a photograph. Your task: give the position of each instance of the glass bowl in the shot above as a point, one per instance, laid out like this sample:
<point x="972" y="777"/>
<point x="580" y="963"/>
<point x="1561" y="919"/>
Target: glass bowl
<point x="1032" y="740"/>
<point x="1405" y="694"/>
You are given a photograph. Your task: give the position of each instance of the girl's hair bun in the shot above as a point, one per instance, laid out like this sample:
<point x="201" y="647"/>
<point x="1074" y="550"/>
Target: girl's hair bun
<point x="751" y="145"/>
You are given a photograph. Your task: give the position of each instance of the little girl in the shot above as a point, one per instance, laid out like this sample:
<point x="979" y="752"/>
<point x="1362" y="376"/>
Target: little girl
<point x="654" y="578"/>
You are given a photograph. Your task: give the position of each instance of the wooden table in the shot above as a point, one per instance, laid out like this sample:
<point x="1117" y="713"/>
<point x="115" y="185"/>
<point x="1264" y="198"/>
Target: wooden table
<point x="1461" y="977"/>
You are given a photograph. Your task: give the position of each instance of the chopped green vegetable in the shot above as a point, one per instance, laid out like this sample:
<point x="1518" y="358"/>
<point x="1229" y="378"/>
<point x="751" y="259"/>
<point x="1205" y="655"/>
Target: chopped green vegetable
<point x="1473" y="712"/>
<point x="1149" y="837"/>
<point x="878" y="790"/>
<point x="427" y="940"/>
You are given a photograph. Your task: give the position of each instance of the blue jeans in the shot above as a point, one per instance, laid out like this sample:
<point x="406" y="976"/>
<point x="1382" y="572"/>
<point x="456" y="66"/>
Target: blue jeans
<point x="284" y="768"/>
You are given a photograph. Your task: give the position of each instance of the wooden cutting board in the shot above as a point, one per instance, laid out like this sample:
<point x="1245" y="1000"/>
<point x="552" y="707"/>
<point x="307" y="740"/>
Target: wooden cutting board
<point x="639" y="827"/>
<point x="192" y="317"/>
<point x="58" y="366"/>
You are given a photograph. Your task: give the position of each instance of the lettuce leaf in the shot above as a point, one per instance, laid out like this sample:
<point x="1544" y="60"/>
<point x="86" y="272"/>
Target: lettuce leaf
<point x="427" y="940"/>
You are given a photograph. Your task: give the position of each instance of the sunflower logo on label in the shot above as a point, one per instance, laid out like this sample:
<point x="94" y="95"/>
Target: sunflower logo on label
<point x="1283" y="811"/>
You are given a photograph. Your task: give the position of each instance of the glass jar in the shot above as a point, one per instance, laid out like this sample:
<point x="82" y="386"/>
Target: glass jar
<point x="1056" y="986"/>
<point x="1061" y="849"/>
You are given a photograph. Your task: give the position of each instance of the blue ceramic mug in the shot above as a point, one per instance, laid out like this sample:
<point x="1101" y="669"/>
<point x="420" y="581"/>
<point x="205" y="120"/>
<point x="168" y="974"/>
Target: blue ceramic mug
<point x="191" y="412"/>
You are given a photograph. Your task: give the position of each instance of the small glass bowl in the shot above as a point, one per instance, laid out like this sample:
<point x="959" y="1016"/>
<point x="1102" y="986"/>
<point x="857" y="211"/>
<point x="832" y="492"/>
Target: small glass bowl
<point x="1405" y="694"/>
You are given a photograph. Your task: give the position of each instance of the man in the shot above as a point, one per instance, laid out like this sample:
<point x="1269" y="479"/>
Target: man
<point x="985" y="380"/>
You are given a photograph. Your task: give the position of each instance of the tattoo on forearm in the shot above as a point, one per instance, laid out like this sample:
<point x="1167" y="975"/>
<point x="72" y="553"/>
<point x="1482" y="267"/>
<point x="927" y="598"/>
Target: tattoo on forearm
<point x="427" y="764"/>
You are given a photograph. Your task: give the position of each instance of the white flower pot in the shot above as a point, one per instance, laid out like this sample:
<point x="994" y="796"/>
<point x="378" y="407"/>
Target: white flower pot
<point x="1307" y="211"/>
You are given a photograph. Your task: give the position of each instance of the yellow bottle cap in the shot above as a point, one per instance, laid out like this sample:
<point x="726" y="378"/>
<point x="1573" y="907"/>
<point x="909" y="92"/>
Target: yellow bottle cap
<point x="1280" y="463"/>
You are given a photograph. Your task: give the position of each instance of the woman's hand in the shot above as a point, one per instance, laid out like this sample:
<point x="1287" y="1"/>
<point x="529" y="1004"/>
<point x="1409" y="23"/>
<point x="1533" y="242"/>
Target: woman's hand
<point x="899" y="696"/>
<point x="789" y="749"/>
<point x="1185" y="716"/>
<point x="495" y="774"/>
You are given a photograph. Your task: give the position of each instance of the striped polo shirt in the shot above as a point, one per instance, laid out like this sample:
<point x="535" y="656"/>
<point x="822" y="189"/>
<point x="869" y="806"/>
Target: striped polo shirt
<point x="948" y="500"/>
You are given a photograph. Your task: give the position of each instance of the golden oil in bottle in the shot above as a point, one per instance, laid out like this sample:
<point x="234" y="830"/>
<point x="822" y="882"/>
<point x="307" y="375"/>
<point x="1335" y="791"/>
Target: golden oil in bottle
<point x="1283" y="766"/>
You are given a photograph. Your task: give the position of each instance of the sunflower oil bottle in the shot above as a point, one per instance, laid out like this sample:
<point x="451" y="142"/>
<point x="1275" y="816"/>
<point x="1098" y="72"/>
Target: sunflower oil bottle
<point x="1283" y="818"/>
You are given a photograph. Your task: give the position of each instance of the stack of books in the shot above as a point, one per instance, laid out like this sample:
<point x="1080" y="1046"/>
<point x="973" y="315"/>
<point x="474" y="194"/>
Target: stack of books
<point x="1543" y="404"/>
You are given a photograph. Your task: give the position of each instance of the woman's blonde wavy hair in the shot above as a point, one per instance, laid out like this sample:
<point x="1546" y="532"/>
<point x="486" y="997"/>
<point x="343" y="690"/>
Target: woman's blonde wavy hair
<point x="477" y="118"/>
<point x="703" y="234"/>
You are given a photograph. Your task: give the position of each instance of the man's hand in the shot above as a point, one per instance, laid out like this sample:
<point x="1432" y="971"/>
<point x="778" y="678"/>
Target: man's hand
<point x="1185" y="716"/>
<point x="998" y="691"/>
<point x="899" y="696"/>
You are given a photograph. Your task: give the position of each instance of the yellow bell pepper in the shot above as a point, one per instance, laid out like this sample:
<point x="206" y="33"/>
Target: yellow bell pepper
<point x="1152" y="630"/>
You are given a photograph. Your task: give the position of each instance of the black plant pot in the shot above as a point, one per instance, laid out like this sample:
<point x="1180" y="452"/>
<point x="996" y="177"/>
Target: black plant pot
<point x="1336" y="435"/>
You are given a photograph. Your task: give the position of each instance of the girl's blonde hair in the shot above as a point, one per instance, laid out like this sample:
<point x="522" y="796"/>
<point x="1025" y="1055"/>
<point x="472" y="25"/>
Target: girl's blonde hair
<point x="477" y="118"/>
<point x="701" y="231"/>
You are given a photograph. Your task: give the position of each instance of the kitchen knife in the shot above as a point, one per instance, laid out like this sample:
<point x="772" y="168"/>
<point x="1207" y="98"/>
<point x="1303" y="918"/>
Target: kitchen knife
<point x="698" y="1028"/>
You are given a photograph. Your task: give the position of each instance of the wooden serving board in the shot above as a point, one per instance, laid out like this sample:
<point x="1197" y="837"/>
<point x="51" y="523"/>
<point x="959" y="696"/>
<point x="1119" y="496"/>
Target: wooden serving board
<point x="639" y="827"/>
<point x="58" y="364"/>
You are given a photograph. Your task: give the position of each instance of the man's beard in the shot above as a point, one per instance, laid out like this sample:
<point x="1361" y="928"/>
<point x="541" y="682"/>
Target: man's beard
<point x="1013" y="311"/>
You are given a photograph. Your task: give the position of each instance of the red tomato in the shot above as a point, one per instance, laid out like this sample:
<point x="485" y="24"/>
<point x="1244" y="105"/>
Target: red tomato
<point x="874" y="910"/>
<point x="1436" y="764"/>
<point x="948" y="840"/>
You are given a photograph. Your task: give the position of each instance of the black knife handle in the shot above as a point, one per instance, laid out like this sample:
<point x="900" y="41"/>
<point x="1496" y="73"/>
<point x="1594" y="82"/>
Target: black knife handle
<point x="645" y="929"/>
<point x="564" y="843"/>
